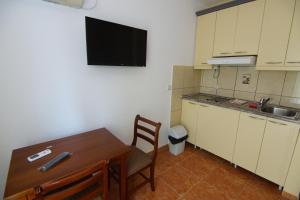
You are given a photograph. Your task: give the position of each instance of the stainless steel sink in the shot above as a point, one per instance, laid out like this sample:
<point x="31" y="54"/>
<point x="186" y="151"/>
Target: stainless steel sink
<point x="283" y="112"/>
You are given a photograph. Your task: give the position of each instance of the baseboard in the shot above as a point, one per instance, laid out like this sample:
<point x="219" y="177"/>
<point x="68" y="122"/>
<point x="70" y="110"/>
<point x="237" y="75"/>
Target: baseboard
<point x="163" y="148"/>
<point x="289" y="196"/>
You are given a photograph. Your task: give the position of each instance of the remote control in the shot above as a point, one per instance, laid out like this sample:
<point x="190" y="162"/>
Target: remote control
<point x="38" y="155"/>
<point x="54" y="161"/>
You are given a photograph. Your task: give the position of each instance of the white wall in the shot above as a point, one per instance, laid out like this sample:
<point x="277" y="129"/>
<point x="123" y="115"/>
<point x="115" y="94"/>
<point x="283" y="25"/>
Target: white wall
<point x="46" y="89"/>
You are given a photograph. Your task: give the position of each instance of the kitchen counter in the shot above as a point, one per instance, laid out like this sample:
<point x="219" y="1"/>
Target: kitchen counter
<point x="207" y="99"/>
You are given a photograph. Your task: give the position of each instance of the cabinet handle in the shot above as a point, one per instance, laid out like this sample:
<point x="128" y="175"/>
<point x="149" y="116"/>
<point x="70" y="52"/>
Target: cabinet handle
<point x="240" y="52"/>
<point x="255" y="117"/>
<point x="293" y="62"/>
<point x="273" y="62"/>
<point x="277" y="123"/>
<point x="225" y="53"/>
<point x="192" y="103"/>
<point x="204" y="63"/>
<point x="204" y="106"/>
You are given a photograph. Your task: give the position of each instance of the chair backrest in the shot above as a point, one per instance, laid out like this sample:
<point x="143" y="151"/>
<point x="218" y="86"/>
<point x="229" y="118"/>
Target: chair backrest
<point x="143" y="128"/>
<point x="88" y="182"/>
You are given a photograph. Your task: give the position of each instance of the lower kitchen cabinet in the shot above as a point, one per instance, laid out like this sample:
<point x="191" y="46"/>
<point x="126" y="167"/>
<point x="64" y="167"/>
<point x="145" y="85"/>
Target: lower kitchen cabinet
<point x="189" y="119"/>
<point x="262" y="145"/>
<point x="292" y="184"/>
<point x="277" y="150"/>
<point x="216" y="130"/>
<point x="249" y="138"/>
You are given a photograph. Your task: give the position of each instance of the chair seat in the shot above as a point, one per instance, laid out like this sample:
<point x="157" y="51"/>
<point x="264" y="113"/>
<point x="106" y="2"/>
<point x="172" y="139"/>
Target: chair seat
<point x="137" y="160"/>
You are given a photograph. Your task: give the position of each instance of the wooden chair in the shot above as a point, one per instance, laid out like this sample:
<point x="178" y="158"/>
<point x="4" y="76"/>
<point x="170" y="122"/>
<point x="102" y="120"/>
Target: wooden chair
<point x="85" y="184"/>
<point x="137" y="159"/>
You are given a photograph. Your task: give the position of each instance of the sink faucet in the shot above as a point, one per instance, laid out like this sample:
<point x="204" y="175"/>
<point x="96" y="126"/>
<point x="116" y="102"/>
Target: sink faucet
<point x="263" y="102"/>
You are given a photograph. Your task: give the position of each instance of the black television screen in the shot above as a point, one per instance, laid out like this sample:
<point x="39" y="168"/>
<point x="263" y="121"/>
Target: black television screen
<point x="114" y="44"/>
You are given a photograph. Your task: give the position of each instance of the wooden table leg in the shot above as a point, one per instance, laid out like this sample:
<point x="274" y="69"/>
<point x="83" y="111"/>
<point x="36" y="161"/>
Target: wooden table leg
<point x="123" y="177"/>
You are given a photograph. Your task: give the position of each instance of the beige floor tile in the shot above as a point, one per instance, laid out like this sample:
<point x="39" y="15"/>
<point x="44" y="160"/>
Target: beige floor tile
<point x="199" y="175"/>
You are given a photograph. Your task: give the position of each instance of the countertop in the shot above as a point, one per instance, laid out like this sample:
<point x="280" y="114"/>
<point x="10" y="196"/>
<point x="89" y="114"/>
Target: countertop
<point x="203" y="98"/>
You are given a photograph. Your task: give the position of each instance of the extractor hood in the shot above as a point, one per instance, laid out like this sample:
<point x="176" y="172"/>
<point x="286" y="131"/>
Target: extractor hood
<point x="238" y="60"/>
<point x="85" y="4"/>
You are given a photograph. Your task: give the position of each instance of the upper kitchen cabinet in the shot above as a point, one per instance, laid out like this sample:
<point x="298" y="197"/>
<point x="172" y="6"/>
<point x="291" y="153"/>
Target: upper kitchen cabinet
<point x="293" y="52"/>
<point x="225" y="32"/>
<point x="204" y="40"/>
<point x="238" y="29"/>
<point x="248" y="28"/>
<point x="276" y="28"/>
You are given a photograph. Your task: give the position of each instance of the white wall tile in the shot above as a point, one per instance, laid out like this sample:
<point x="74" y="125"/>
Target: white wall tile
<point x="208" y="90"/>
<point x="191" y="90"/>
<point x="197" y="78"/>
<point x="274" y="99"/>
<point x="282" y="87"/>
<point x="270" y="82"/>
<point x="225" y="93"/>
<point x="207" y="79"/>
<point x="178" y="73"/>
<point x="188" y="78"/>
<point x="227" y="78"/>
<point x="175" y="118"/>
<point x="244" y="85"/>
<point x="244" y="95"/>
<point x="290" y="102"/>
<point x="176" y="99"/>
<point x="291" y="86"/>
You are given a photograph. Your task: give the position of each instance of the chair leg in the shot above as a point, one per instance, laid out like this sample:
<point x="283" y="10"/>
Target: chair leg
<point x="109" y="177"/>
<point x="152" y="177"/>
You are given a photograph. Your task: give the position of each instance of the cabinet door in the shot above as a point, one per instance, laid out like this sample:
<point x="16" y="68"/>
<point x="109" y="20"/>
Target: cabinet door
<point x="293" y="53"/>
<point x="275" y="32"/>
<point x="216" y="130"/>
<point x="249" y="138"/>
<point x="189" y="119"/>
<point x="205" y="123"/>
<point x="248" y="28"/>
<point x="292" y="184"/>
<point x="225" y="31"/>
<point x="204" y="40"/>
<point x="277" y="150"/>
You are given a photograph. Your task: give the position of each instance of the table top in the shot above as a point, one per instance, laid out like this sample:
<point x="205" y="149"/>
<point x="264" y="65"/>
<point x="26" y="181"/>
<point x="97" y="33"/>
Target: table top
<point x="86" y="148"/>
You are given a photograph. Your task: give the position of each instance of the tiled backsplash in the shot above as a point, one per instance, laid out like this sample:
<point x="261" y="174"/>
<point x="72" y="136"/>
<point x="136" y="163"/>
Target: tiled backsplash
<point x="246" y="83"/>
<point x="186" y="80"/>
<point x="240" y="82"/>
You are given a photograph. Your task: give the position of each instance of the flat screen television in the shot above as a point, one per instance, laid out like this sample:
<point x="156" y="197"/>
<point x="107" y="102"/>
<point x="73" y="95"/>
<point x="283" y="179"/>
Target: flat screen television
<point x="113" y="44"/>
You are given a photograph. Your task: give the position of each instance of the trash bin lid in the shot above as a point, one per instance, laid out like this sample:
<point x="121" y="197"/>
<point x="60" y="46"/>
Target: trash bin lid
<point x="177" y="132"/>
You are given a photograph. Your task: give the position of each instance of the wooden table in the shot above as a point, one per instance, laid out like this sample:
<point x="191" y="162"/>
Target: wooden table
<point x="87" y="148"/>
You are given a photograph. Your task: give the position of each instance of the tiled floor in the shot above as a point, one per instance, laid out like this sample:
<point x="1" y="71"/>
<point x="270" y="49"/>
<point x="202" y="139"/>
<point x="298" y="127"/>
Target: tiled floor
<point x="199" y="175"/>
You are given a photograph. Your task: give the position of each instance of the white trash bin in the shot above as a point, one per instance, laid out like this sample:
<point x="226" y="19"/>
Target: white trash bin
<point x="179" y="133"/>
